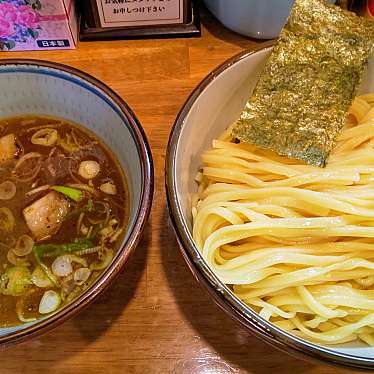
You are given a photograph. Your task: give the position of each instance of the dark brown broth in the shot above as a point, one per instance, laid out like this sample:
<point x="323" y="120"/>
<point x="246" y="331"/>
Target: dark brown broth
<point x="57" y="159"/>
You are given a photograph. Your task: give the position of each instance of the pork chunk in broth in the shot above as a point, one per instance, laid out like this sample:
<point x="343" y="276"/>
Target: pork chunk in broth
<point x="63" y="212"/>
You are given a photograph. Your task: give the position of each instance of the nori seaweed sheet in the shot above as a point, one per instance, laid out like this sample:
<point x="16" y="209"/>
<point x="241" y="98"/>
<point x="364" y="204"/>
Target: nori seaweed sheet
<point x="303" y="95"/>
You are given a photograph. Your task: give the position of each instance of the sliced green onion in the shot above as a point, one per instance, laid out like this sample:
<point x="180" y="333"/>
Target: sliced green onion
<point x="70" y="192"/>
<point x="15" y="280"/>
<point x="55" y="250"/>
<point x="40" y="279"/>
<point x="44" y="267"/>
<point x="50" y="301"/>
<point x="90" y="205"/>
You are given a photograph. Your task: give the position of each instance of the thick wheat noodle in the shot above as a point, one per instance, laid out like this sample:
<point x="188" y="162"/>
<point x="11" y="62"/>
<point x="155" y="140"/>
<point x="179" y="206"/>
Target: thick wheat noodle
<point x="293" y="241"/>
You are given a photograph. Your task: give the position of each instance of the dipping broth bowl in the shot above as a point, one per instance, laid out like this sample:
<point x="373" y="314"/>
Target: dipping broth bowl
<point x="46" y="88"/>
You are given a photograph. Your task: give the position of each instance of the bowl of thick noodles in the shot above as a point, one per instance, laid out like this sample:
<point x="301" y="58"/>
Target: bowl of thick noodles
<point x="76" y="184"/>
<point x="285" y="248"/>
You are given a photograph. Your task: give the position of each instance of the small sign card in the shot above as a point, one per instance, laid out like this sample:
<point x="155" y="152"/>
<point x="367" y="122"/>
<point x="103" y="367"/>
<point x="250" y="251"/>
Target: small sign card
<point x="125" y="19"/>
<point x="117" y="13"/>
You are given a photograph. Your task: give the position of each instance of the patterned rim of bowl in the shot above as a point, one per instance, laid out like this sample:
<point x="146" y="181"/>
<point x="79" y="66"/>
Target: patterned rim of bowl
<point x="204" y="275"/>
<point x="142" y="213"/>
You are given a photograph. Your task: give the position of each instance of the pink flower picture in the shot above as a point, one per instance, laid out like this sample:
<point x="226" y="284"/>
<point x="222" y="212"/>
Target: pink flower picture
<point x="27" y="17"/>
<point x="6" y="28"/>
<point x="19" y="21"/>
<point x="8" y="16"/>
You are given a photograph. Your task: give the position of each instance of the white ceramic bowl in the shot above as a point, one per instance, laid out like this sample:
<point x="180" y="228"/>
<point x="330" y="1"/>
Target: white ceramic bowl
<point x="254" y="18"/>
<point x="40" y="87"/>
<point x="211" y="108"/>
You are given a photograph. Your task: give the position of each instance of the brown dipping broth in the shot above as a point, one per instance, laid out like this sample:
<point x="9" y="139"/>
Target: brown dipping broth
<point x="99" y="217"/>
